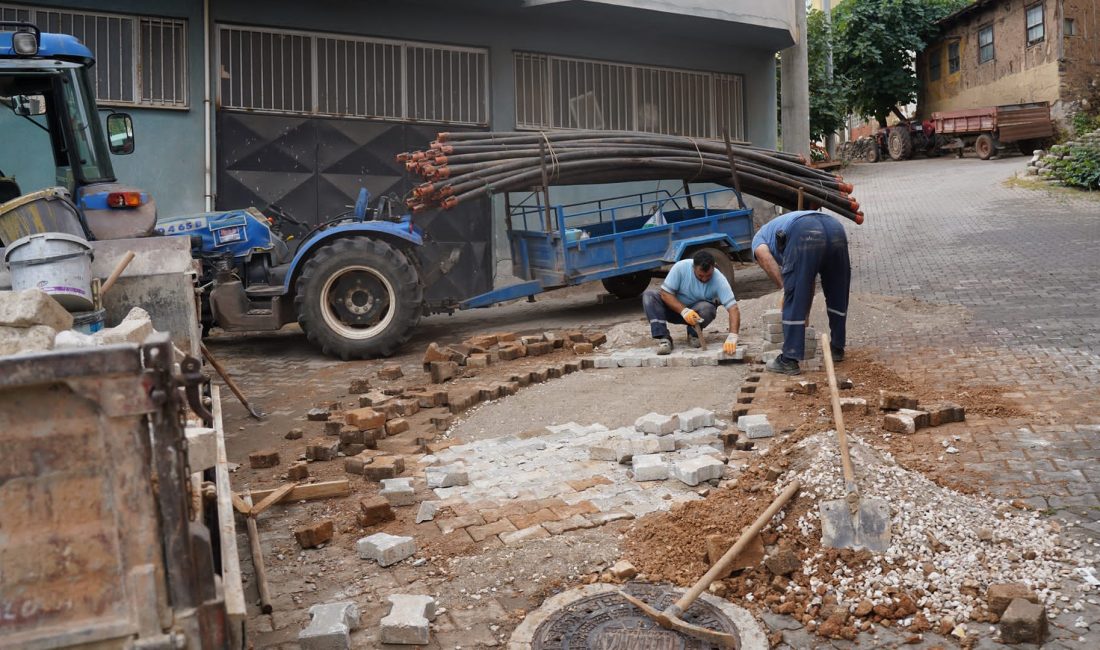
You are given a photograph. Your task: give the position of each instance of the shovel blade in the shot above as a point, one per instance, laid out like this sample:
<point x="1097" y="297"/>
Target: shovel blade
<point x="868" y="528"/>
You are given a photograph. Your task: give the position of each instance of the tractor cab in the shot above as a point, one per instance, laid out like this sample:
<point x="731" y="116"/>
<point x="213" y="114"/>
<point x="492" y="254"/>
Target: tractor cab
<point x="48" y="112"/>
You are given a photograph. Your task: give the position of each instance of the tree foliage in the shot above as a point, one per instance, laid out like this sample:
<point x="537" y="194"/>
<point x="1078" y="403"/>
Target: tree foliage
<point x="827" y="97"/>
<point x="874" y="45"/>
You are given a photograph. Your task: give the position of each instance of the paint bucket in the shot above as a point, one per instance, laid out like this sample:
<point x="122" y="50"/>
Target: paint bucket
<point x="57" y="263"/>
<point x="89" y="322"/>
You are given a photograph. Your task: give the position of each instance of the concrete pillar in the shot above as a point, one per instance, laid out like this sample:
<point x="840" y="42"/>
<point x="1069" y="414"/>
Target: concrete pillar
<point x="795" y="87"/>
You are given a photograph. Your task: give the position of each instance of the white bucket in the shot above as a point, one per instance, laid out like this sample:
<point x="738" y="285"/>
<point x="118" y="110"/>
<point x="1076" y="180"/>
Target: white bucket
<point x="57" y="263"/>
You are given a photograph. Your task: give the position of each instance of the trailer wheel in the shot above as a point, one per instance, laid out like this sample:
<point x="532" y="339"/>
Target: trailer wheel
<point x="984" y="146"/>
<point x="358" y="298"/>
<point x="627" y="286"/>
<point x="900" y="143"/>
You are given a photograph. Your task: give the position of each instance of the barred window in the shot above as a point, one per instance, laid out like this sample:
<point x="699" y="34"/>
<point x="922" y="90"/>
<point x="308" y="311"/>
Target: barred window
<point x="139" y="60"/>
<point x="285" y="71"/>
<point x="569" y="93"/>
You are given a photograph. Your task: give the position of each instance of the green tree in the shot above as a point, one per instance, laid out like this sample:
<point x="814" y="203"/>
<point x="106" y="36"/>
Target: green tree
<point x="827" y="97"/>
<point x="874" y="45"/>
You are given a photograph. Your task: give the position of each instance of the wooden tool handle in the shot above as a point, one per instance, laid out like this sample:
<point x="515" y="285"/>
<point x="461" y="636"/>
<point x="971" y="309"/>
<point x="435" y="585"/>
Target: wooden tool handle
<point x="119" y="268"/>
<point x="838" y="414"/>
<point x="720" y="567"/>
<point x="258" y="560"/>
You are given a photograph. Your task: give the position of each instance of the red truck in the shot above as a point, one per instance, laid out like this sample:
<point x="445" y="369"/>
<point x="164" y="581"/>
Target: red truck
<point x="990" y="128"/>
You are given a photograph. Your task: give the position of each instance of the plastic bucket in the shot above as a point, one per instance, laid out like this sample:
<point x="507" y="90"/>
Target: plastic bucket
<point x="89" y="322"/>
<point x="57" y="263"/>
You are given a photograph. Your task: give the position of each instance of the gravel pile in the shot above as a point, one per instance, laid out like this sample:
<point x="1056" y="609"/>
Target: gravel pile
<point x="946" y="548"/>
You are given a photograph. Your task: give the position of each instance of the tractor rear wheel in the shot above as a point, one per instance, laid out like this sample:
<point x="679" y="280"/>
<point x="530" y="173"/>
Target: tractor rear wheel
<point x="358" y="298"/>
<point x="627" y="286"/>
<point x="984" y="146"/>
<point x="900" y="143"/>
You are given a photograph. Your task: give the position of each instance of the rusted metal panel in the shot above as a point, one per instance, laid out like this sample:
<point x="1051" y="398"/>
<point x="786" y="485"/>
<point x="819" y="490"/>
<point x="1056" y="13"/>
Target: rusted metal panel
<point x="1009" y="123"/>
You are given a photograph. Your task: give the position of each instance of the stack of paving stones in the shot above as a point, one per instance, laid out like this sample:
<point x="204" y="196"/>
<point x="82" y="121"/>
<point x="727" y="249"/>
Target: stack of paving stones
<point x="773" y="335"/>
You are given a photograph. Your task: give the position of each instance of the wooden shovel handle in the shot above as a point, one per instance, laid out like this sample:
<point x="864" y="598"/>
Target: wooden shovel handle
<point x="722" y="565"/>
<point x="115" y="274"/>
<point x="838" y="414"/>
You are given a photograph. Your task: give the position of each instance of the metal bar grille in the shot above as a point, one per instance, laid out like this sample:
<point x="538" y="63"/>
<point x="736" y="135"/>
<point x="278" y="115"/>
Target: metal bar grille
<point x="138" y="60"/>
<point x="569" y="93"/>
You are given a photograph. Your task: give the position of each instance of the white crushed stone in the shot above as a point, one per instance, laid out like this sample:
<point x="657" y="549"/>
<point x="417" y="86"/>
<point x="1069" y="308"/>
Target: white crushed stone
<point x="919" y="507"/>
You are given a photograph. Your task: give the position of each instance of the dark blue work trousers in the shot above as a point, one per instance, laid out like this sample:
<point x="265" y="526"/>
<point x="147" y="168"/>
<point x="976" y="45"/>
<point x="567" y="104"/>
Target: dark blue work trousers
<point x="816" y="244"/>
<point x="660" y="315"/>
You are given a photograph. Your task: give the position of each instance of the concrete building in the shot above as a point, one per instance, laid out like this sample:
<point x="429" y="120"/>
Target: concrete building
<point x="237" y="102"/>
<point x="997" y="52"/>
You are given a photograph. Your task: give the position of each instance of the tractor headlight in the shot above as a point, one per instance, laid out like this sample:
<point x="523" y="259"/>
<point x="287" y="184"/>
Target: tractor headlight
<point x="24" y="43"/>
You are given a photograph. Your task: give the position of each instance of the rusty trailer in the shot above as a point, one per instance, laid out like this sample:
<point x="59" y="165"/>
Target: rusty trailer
<point x="990" y="128"/>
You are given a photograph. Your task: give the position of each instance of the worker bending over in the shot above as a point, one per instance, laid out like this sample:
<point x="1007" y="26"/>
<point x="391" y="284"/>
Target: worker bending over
<point x="793" y="249"/>
<point x="688" y="296"/>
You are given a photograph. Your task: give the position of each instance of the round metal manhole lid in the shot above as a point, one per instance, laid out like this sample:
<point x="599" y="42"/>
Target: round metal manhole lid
<point x="596" y="617"/>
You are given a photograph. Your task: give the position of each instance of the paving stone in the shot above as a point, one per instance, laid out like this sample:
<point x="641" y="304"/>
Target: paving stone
<point x="500" y="526"/>
<point x="1000" y="596"/>
<point x="297" y="471"/>
<point x="920" y="418"/>
<point x="375" y="510"/>
<point x="655" y="423"/>
<point x="478" y="361"/>
<point x="512" y="352"/>
<point x="314" y="534"/>
<point x="650" y="467"/>
<point x="384" y="467"/>
<point x="356" y="464"/>
<point x="945" y="413"/>
<point x="322" y="449"/>
<point x="525" y="535"/>
<point x="601" y="518"/>
<point x="448" y="526"/>
<point x="597" y="339"/>
<point x="630" y="362"/>
<point x="396" y="426"/>
<point x="755" y="426"/>
<point x="330" y="626"/>
<point x="398" y="491"/>
<point x="390" y="372"/>
<point x="445" y="476"/>
<point x="538" y="348"/>
<point x="317" y="415"/>
<point x="891" y="400"/>
<point x="773" y="317"/>
<point x="623" y="570"/>
<point x="1023" y="622"/>
<point x="427" y="511"/>
<point x="442" y="371"/>
<point x="605" y="362"/>
<point x="695" y="418"/>
<point x="409" y="620"/>
<point x="661" y="443"/>
<point x="294" y="434"/>
<point x="263" y="459"/>
<point x="583" y="348"/>
<point x="442" y="422"/>
<point x="899" y="423"/>
<point x="569" y="524"/>
<point x="856" y="405"/>
<point x="459" y="400"/>
<point x="803" y="387"/>
<point x="365" y="418"/>
<point x="385" y="549"/>
<point x="693" y="471"/>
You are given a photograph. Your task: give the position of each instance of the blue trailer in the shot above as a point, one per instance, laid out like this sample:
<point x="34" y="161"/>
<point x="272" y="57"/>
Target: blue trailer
<point x="622" y="241"/>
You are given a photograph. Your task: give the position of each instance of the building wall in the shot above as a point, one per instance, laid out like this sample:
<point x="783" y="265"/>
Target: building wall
<point x="1080" y="67"/>
<point x="1018" y="72"/>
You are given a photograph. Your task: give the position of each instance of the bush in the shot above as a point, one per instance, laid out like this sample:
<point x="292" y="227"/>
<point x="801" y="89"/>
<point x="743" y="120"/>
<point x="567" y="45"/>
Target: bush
<point x="1084" y="123"/>
<point x="1079" y="168"/>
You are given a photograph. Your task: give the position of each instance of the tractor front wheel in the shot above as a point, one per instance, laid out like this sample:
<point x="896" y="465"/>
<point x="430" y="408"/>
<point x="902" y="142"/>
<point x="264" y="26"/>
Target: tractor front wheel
<point x="900" y="143"/>
<point x="358" y="298"/>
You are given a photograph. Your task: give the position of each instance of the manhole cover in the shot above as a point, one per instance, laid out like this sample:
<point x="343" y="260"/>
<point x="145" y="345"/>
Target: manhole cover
<point x="607" y="621"/>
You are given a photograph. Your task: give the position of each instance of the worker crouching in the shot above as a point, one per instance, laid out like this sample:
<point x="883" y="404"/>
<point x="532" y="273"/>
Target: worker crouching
<point x="689" y="296"/>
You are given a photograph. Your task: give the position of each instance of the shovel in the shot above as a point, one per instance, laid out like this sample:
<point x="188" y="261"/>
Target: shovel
<point x="852" y="522"/>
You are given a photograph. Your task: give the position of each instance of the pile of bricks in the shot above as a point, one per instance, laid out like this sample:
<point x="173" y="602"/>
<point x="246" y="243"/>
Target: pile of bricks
<point x="444" y="363"/>
<point x="902" y="414"/>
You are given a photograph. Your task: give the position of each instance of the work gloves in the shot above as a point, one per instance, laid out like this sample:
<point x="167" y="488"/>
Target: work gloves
<point x="730" y="346"/>
<point x="690" y="316"/>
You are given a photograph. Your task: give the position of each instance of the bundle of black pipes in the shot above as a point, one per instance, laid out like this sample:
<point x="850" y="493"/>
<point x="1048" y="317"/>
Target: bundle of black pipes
<point x="459" y="167"/>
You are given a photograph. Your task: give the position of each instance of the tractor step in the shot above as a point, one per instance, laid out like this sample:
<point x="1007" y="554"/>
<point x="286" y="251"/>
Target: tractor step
<point x="264" y="291"/>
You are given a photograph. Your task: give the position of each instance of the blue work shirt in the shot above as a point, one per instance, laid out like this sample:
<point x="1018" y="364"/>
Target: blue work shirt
<point x="682" y="283"/>
<point x="767" y="233"/>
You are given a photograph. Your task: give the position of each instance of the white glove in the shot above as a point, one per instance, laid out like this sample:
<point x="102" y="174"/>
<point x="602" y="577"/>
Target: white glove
<point x="730" y="346"/>
<point x="690" y="316"/>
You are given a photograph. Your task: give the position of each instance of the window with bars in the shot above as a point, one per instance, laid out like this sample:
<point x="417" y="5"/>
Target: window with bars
<point x="326" y="74"/>
<point x="139" y="60"/>
<point x="985" y="44"/>
<point x="1035" y="31"/>
<point x="554" y="92"/>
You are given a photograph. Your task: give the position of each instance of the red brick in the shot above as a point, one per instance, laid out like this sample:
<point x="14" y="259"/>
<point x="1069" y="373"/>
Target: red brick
<point x="384" y="467"/>
<point x="435" y="353"/>
<point x="576" y="336"/>
<point x="512" y="352"/>
<point x="374" y="510"/>
<point x="359" y="386"/>
<point x="540" y="348"/>
<point x="891" y="401"/>
<point x="597" y="339"/>
<point x="322" y="449"/>
<point x="533" y="519"/>
<point x="479" y="533"/>
<point x="365" y="418"/>
<point x="484" y="342"/>
<point x="583" y="348"/>
<point x="315" y="534"/>
<point x="407" y="407"/>
<point x="505" y="337"/>
<point x="442" y="422"/>
<point x="263" y="459"/>
<point x="462" y="399"/>
<point x="357" y="464"/>
<point x="391" y="371"/>
<point x="396" y="426"/>
<point x="443" y="371"/>
<point x="297" y="471"/>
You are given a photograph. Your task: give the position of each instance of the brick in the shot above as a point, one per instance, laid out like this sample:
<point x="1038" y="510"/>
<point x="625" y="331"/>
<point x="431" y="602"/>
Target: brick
<point x="1023" y="622"/>
<point x="750" y="557"/>
<point x="393" y="391"/>
<point x="317" y="415"/>
<point x="755" y="426"/>
<point x="396" y="426"/>
<point x="729" y="437"/>
<point x="330" y="626"/>
<point x="920" y="418"/>
<point x="891" y="401"/>
<point x="484" y="341"/>
<point x="385" y="549"/>
<point x="507" y="388"/>
<point x="434" y="353"/>
<point x="498" y="527"/>
<point x="365" y="418"/>
<point x="398" y="491"/>
<point x="555" y="372"/>
<point x="693" y="471"/>
<point x="390" y="372"/>
<point x="607" y="451"/>
<point x="845" y="384"/>
<point x="442" y="422"/>
<point x="359" y="386"/>
<point x="489" y="393"/>
<point x="575" y="336"/>
<point x="773" y="317"/>
<point x="649" y="467"/>
<point x="356" y="436"/>
<point x="533" y="338"/>
<point x="738" y="411"/>
<point x="384" y="467"/>
<point x="512" y="352"/>
<point x="605" y="362"/>
<point x="537" y="349"/>
<point x="524" y="535"/>
<point x="357" y="464"/>
<point x="571" y="523"/>
<point x="294" y="434"/>
<point x="602" y="518"/>
<point x="623" y="570"/>
<point x="945" y="413"/>
<point x="803" y="387"/>
<point x="462" y="399"/>
<point x="263" y="459"/>
<point x="899" y="423"/>
<point x="446" y="476"/>
<point x="409" y="620"/>
<point x="505" y="337"/>
<point x="539" y="375"/>
<point x="297" y="471"/>
<point x="374" y="398"/>
<point x="478" y="361"/>
<point x="442" y="371"/>
<point x="314" y="534"/>
<point x="459" y="352"/>
<point x="1000" y="596"/>
<point x="529" y="519"/>
<point x="322" y="449"/>
<point x="695" y="418"/>
<point x="583" y="348"/>
<point x="374" y="511"/>
<point x="569" y="367"/>
<point x="856" y="405"/>
<point x="597" y="339"/>
<point x="448" y="526"/>
<point x="554" y="338"/>
<point x="655" y="423"/>
<point x="588" y="363"/>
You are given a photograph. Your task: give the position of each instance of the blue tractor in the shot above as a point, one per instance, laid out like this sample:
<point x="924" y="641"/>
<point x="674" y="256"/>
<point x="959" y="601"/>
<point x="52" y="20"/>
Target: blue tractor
<point x="352" y="283"/>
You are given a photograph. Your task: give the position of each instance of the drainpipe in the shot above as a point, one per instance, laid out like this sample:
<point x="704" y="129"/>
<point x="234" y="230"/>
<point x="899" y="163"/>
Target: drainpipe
<point x="826" y="6"/>
<point x="208" y="179"/>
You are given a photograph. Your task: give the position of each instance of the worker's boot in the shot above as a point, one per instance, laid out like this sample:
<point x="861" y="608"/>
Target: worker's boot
<point x="838" y="354"/>
<point x="664" y="346"/>
<point x="783" y="366"/>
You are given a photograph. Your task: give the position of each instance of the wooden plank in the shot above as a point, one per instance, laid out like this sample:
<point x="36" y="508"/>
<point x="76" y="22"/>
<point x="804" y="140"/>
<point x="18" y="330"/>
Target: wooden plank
<point x="270" y="500"/>
<point x="196" y="497"/>
<point x="326" y="490"/>
<point x="258" y="561"/>
<point x="232" y="586"/>
<point x="240" y="506"/>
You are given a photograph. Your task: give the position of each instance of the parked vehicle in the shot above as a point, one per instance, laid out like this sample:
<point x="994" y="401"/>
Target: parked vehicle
<point x="991" y="128"/>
